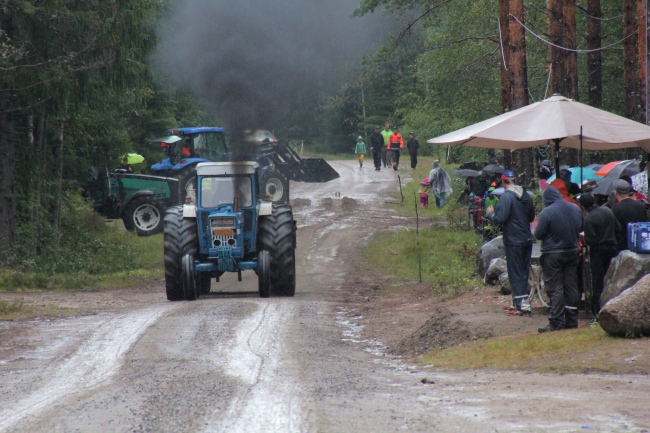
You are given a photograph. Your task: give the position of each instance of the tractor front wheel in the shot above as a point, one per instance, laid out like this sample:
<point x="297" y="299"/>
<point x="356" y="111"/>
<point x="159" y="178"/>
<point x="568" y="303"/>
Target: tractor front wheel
<point x="144" y="215"/>
<point x="180" y="240"/>
<point x="277" y="236"/>
<point x="264" y="274"/>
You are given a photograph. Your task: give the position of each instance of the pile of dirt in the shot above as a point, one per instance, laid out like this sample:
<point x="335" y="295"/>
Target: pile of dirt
<point x="443" y="329"/>
<point x="301" y="202"/>
<point x="349" y="204"/>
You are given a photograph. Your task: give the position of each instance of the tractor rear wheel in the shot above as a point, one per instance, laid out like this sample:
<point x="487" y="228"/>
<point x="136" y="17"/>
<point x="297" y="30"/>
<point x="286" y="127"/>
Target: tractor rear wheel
<point x="275" y="185"/>
<point x="187" y="184"/>
<point x="189" y="281"/>
<point x="180" y="240"/>
<point x="144" y="215"/>
<point x="277" y="236"/>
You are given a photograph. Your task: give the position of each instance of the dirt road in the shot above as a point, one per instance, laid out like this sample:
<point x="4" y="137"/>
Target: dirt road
<point x="232" y="362"/>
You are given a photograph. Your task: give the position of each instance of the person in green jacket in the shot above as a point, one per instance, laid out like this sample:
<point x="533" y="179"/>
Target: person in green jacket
<point x="385" y="154"/>
<point x="360" y="150"/>
<point x="491" y="199"/>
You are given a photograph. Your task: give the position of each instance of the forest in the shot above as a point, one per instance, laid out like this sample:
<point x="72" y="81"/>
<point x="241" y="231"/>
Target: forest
<point x="80" y="85"/>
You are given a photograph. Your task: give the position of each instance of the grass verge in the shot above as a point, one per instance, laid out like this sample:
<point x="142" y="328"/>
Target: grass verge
<point x="582" y="350"/>
<point x="18" y="310"/>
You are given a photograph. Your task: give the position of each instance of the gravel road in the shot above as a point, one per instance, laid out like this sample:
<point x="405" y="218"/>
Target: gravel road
<point x="232" y="362"/>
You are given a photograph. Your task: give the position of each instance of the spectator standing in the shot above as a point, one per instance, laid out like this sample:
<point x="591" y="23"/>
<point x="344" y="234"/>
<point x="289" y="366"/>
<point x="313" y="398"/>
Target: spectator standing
<point x="491" y="200"/>
<point x="425" y="192"/>
<point x="413" y="145"/>
<point x="602" y="230"/>
<point x="563" y="185"/>
<point x="385" y="153"/>
<point x="626" y="210"/>
<point x="440" y="183"/>
<point x="360" y="150"/>
<point x="125" y="165"/>
<point x="515" y="212"/>
<point x="481" y="185"/>
<point x="377" y="147"/>
<point x="558" y="227"/>
<point x="396" y="143"/>
<point x="543" y="169"/>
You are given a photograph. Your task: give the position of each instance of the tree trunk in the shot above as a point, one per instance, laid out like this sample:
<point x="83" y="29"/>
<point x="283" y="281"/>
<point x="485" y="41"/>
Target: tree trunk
<point x="643" y="59"/>
<point x="555" y="55"/>
<point x="594" y="59"/>
<point x="570" y="88"/>
<point x="629" y="57"/>
<point x="8" y="202"/>
<point x="522" y="159"/>
<point x="506" y="76"/>
<point x="60" y="127"/>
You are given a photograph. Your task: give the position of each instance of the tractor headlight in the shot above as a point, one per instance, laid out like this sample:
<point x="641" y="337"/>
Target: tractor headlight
<point x="221" y="223"/>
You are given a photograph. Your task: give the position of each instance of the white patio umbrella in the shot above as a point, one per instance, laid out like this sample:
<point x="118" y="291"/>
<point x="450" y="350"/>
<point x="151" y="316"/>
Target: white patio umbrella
<point x="557" y="119"/>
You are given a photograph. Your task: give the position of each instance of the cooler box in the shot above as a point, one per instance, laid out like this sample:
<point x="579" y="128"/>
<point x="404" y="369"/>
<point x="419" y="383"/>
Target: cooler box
<point x="638" y="237"/>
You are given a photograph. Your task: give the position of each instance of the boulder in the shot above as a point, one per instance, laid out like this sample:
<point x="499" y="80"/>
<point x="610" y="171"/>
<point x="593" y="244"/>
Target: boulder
<point x="625" y="270"/>
<point x="488" y="252"/>
<point x="494" y="271"/>
<point x="504" y="282"/>
<point x="628" y="314"/>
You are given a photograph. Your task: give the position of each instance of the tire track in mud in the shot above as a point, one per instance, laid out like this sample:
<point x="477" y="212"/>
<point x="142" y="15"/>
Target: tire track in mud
<point x="270" y="399"/>
<point x="94" y="362"/>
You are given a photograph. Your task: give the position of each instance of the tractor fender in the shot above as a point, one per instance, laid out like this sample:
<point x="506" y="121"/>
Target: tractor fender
<point x="134" y="196"/>
<point x="188" y="162"/>
<point x="266" y="208"/>
<point x="189" y="211"/>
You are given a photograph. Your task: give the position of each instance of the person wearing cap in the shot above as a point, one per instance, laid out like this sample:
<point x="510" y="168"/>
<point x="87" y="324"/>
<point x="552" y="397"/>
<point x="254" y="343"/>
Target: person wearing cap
<point x="563" y="185"/>
<point x="627" y="210"/>
<point x="377" y="147"/>
<point x="395" y="142"/>
<point x="413" y="145"/>
<point x="360" y="150"/>
<point x="558" y="227"/>
<point x="514" y="212"/>
<point x="602" y="231"/>
<point x="385" y="153"/>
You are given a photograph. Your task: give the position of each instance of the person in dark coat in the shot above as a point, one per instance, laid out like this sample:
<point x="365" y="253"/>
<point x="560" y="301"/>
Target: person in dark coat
<point x="481" y="185"/>
<point x="413" y="145"/>
<point x="626" y="210"/>
<point x="376" y="146"/>
<point x="515" y="212"/>
<point x="558" y="227"/>
<point x="602" y="230"/>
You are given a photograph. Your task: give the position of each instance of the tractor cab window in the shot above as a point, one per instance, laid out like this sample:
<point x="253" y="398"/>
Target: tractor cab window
<point x="210" y="145"/>
<point x="217" y="191"/>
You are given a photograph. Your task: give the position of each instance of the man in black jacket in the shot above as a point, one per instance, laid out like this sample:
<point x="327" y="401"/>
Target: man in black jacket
<point x="376" y="146"/>
<point x="602" y="230"/>
<point x="558" y="227"/>
<point x="413" y="145"/>
<point x="627" y="210"/>
<point x="515" y="212"/>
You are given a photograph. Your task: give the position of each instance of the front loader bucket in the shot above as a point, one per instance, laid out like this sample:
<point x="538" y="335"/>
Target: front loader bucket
<point x="316" y="170"/>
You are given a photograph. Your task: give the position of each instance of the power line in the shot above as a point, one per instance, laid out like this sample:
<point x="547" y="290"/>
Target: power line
<point x="569" y="49"/>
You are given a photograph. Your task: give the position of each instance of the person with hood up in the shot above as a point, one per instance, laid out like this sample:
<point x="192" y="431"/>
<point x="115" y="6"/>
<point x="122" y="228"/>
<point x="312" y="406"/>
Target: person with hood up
<point x="425" y="192"/>
<point x="514" y="212"/>
<point x="563" y="185"/>
<point x="440" y="183"/>
<point x="558" y="227"/>
<point x="360" y="150"/>
<point x="376" y="146"/>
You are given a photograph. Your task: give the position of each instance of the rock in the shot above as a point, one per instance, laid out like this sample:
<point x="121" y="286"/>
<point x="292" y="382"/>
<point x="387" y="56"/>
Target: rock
<point x="489" y="251"/>
<point x="504" y="282"/>
<point x="494" y="271"/>
<point x="628" y="314"/>
<point x="625" y="270"/>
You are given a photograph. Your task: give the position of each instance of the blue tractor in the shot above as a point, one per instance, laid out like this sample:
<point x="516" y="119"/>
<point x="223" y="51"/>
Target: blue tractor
<point x="231" y="227"/>
<point x="279" y="163"/>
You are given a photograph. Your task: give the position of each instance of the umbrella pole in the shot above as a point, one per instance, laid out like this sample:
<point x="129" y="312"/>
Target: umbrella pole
<point x="580" y="159"/>
<point x="557" y="157"/>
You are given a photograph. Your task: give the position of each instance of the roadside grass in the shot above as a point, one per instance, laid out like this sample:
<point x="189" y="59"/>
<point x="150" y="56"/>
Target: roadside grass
<point x="18" y="310"/>
<point x="117" y="259"/>
<point x="447" y="257"/>
<point x="582" y="350"/>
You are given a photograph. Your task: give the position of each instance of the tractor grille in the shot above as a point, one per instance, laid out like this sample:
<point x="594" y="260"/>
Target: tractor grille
<point x="224" y="241"/>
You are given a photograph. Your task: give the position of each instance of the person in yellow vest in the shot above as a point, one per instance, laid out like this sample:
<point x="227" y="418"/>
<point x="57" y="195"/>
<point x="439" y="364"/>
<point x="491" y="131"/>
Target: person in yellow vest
<point x="395" y="142"/>
<point x="385" y="153"/>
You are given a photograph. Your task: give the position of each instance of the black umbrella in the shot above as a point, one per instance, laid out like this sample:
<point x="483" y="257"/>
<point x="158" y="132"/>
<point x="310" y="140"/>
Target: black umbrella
<point x="625" y="168"/>
<point x="493" y="168"/>
<point x="465" y="173"/>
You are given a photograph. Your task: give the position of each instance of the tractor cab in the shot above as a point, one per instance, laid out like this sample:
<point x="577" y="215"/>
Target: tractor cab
<point x="188" y="146"/>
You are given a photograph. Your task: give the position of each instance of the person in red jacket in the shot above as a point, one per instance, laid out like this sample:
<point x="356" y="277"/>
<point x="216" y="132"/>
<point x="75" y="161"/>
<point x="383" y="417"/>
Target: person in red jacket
<point x="395" y="143"/>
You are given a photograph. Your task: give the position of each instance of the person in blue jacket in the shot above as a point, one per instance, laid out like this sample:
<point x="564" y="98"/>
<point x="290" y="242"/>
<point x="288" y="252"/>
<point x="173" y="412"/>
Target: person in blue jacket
<point x="514" y="212"/>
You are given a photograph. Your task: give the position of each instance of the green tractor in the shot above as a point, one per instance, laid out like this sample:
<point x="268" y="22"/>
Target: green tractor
<point x="139" y="200"/>
<point x="232" y="226"/>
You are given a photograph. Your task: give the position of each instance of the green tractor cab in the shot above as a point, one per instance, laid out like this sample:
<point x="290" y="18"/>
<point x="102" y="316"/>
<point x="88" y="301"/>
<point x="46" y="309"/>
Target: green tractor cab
<point x="230" y="228"/>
